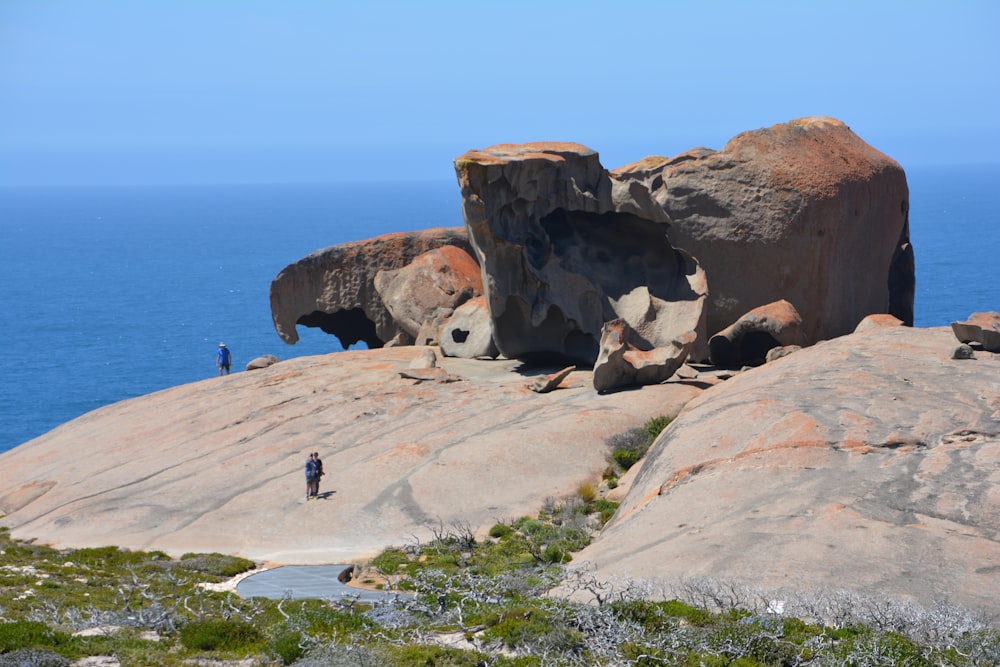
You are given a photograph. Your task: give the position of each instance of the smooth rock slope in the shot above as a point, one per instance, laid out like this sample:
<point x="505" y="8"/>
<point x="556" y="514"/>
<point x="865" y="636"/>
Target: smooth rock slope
<point x="869" y="462"/>
<point x="218" y="465"/>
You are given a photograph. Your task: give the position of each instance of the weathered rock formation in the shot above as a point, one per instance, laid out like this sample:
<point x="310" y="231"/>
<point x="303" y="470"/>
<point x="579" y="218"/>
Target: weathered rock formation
<point x="468" y="333"/>
<point x="625" y="361"/>
<point x="546" y="383"/>
<point x="334" y="288"/>
<point x="441" y="279"/>
<point x="869" y="462"/>
<point x="982" y="328"/>
<point x="804" y="211"/>
<point x="747" y="341"/>
<point x="562" y="253"/>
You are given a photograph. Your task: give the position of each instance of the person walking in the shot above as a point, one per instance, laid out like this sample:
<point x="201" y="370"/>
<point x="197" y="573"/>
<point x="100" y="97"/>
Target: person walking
<point x="311" y="475"/>
<point x="224" y="359"/>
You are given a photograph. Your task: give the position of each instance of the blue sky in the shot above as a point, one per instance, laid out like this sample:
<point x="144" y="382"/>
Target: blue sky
<point x="244" y="91"/>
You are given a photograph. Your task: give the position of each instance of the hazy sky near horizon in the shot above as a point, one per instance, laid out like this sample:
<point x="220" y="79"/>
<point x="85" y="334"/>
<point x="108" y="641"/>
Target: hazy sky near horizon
<point x="207" y="91"/>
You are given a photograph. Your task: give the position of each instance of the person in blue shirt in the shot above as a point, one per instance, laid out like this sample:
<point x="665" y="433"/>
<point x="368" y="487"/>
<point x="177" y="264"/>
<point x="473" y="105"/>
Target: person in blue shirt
<point x="312" y="474"/>
<point x="224" y="360"/>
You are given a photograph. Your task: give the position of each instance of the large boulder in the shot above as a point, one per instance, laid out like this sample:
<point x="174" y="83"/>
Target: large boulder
<point x="982" y="328"/>
<point x="468" y="333"/>
<point x="334" y="288"/>
<point x="870" y="462"/>
<point x="624" y="361"/>
<point x="747" y="341"/>
<point x="562" y="253"/>
<point x="804" y="211"/>
<point x="442" y="278"/>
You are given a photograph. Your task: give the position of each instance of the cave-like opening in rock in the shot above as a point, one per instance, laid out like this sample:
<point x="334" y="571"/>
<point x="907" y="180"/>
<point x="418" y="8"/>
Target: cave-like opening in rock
<point x="749" y="349"/>
<point x="349" y="326"/>
<point x="619" y="252"/>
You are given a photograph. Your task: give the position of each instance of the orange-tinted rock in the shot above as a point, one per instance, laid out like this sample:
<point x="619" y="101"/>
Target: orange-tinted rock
<point x="869" y="462"/>
<point x="804" y="211"/>
<point x="748" y="340"/>
<point x="625" y="361"/>
<point x="878" y="320"/>
<point x="982" y="328"/>
<point x="334" y="289"/>
<point x="442" y="278"/>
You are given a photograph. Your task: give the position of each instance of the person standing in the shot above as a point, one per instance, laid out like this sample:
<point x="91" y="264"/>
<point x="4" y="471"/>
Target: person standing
<point x="311" y="475"/>
<point x="224" y="359"/>
<point x="319" y="472"/>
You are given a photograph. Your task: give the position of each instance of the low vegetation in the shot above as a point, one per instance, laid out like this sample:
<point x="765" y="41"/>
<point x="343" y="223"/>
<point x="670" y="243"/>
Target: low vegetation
<point x="627" y="448"/>
<point x="512" y="598"/>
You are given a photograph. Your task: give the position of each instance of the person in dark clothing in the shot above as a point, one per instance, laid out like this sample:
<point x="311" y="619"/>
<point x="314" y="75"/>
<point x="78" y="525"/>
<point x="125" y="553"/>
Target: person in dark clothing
<point x="318" y="465"/>
<point x="311" y="476"/>
<point x="224" y="359"/>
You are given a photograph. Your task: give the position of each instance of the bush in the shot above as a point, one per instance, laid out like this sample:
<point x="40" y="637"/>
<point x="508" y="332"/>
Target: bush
<point x="500" y="530"/>
<point x="16" y="635"/>
<point x="388" y="561"/>
<point x="526" y="627"/>
<point x="218" y="635"/>
<point x="105" y="557"/>
<point x="587" y="492"/>
<point x="216" y="564"/>
<point x="655" y="426"/>
<point x="629" y="447"/>
<point x="288" y="647"/>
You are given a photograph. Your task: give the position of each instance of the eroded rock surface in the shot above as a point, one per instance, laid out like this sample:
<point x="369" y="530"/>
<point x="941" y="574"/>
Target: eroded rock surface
<point x="468" y="333"/>
<point x="869" y="462"/>
<point x="334" y="289"/>
<point x="982" y="328"/>
<point x="748" y="340"/>
<point x="435" y="282"/>
<point x="562" y="254"/>
<point x="624" y="361"/>
<point x="804" y="211"/>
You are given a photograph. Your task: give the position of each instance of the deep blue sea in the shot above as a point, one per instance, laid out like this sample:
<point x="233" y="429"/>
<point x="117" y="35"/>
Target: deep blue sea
<point x="107" y="293"/>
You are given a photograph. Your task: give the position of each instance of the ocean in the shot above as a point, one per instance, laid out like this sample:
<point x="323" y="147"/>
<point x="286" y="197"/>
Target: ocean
<point x="114" y="292"/>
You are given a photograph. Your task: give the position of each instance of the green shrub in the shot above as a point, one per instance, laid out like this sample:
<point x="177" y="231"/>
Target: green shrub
<point x="527" y="627"/>
<point x="106" y="557"/>
<point x="499" y="530"/>
<point x="650" y="615"/>
<point x="557" y="552"/>
<point x="627" y="458"/>
<point x="16" y="635"/>
<point x="655" y="426"/>
<point x="219" y="635"/>
<point x="216" y="564"/>
<point x="388" y="561"/>
<point x="601" y="505"/>
<point x="692" y="615"/>
<point x="288" y="647"/>
<point x="532" y="527"/>
<point x="629" y="447"/>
